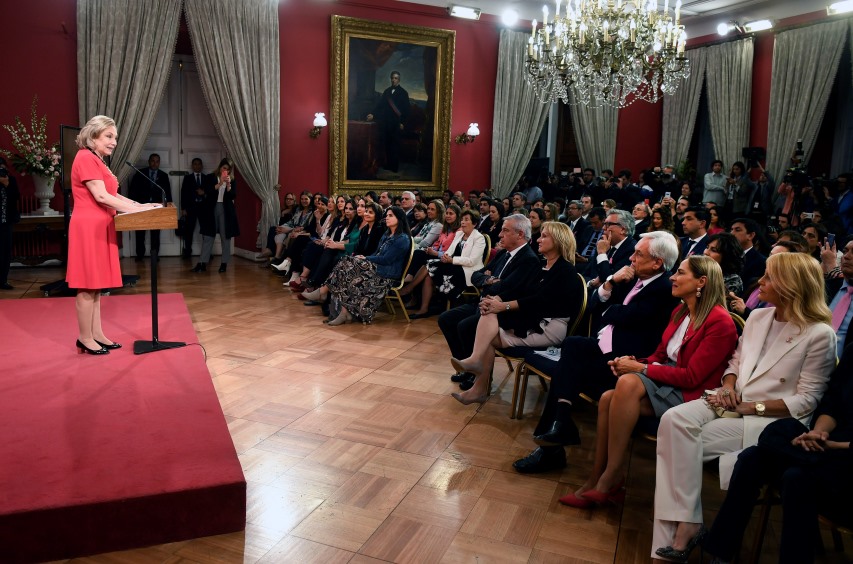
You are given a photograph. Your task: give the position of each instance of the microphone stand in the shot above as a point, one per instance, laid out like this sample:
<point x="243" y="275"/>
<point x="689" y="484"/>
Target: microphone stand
<point x="155" y="344"/>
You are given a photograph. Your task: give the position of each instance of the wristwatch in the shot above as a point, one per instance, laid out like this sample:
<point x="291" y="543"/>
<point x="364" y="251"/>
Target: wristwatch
<point x="507" y="306"/>
<point x="760" y="409"/>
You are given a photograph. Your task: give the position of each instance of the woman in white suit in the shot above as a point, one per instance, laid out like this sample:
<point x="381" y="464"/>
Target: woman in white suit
<point x="780" y="369"/>
<point x="451" y="272"/>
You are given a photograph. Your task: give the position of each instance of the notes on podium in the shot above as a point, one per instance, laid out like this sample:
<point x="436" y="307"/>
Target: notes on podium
<point x="148" y="220"/>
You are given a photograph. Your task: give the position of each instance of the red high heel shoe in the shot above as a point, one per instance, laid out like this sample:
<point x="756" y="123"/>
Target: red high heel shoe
<point x="614" y="495"/>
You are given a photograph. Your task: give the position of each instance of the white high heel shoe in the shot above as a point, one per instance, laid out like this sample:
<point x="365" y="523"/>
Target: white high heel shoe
<point x="283" y="266"/>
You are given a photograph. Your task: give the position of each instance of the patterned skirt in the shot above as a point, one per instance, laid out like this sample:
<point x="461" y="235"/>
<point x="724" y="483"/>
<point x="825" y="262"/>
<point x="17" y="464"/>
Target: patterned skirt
<point x="447" y="279"/>
<point x="355" y="284"/>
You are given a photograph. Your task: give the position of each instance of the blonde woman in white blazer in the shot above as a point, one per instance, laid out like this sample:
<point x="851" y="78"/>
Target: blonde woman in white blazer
<point x="445" y="275"/>
<point x="780" y="369"/>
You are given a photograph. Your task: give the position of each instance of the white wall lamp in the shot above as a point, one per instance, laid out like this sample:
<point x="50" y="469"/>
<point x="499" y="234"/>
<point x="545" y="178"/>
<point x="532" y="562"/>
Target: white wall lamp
<point x="464" y="12"/>
<point x="319" y="124"/>
<point x="468" y="136"/>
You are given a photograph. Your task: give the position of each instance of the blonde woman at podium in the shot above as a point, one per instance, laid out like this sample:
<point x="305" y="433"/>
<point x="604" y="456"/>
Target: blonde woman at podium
<point x="93" y="262"/>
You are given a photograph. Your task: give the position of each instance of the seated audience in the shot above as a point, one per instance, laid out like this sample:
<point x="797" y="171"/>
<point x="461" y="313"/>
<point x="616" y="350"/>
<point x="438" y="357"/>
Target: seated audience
<point x="695" y="225"/>
<point x="642" y="218"/>
<point x="537" y="319"/>
<point x="450" y="226"/>
<point x="839" y="292"/>
<point x="294" y="225"/>
<point x="715" y="224"/>
<point x="746" y="231"/>
<point x="631" y="311"/>
<point x="810" y="467"/>
<point x="537" y="218"/>
<point x="695" y="349"/>
<point x="780" y="369"/>
<point x="614" y="248"/>
<point x="284" y="216"/>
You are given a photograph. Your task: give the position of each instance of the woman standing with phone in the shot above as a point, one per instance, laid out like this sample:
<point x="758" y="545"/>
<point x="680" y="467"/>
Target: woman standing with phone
<point x="218" y="216"/>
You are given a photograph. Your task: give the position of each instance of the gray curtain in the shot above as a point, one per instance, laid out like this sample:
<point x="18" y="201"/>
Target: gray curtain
<point x="595" y="133"/>
<point x="679" y="111"/>
<point x="519" y="115"/>
<point x="124" y="54"/>
<point x="236" y="46"/>
<point x="728" y="84"/>
<point x="805" y="62"/>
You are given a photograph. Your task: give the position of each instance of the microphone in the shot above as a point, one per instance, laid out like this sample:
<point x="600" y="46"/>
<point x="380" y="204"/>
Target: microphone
<point x="145" y="176"/>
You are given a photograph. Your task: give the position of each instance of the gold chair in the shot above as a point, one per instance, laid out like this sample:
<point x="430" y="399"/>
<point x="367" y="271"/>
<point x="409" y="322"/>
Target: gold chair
<point x="739" y="322"/>
<point x="523" y="370"/>
<point x="395" y="291"/>
<point x="473" y="291"/>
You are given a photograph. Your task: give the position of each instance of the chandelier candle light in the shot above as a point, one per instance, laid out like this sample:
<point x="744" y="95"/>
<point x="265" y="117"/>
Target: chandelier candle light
<point x="607" y="52"/>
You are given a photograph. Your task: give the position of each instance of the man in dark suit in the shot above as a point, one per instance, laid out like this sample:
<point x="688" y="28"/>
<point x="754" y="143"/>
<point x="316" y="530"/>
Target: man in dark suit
<point x="144" y="191"/>
<point x="485" y="221"/>
<point x="407" y="202"/>
<point x="745" y="231"/>
<point x="695" y="225"/>
<point x="192" y="198"/>
<point x="588" y="241"/>
<point x="391" y="112"/>
<point x="614" y="248"/>
<point x="512" y="270"/>
<point x="575" y="220"/>
<point x="631" y="309"/>
<point x="839" y="292"/>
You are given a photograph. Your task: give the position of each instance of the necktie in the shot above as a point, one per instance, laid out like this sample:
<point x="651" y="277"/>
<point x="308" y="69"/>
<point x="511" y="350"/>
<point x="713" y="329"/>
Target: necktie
<point x="690" y="248"/>
<point x="605" y="338"/>
<point x="502" y="266"/>
<point x="197" y="179"/>
<point x="840" y="310"/>
<point x="153" y="175"/>
<point x="610" y="252"/>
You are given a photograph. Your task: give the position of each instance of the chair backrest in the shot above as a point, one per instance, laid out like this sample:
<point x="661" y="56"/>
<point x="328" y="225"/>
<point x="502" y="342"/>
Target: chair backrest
<point x="581" y="310"/>
<point x="408" y="264"/>
<point x="488" y="249"/>
<point x="739" y="322"/>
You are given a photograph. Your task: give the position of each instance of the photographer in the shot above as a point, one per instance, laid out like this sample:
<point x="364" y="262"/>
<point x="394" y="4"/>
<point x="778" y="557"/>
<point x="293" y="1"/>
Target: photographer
<point x="740" y="190"/>
<point x="9" y="215"/>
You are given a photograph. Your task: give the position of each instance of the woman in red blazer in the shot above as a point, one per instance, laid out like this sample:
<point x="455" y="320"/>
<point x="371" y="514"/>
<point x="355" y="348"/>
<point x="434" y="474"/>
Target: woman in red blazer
<point x="694" y="351"/>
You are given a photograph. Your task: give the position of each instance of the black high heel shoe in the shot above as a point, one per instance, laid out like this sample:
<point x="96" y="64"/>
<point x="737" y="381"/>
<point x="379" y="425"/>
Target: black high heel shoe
<point x="81" y="349"/>
<point x="683" y="555"/>
<point x="109" y="347"/>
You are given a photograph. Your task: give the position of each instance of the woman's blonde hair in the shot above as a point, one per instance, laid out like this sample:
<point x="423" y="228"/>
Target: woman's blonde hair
<point x="712" y="294"/>
<point x="798" y="279"/>
<point x="563" y="237"/>
<point x="92" y="130"/>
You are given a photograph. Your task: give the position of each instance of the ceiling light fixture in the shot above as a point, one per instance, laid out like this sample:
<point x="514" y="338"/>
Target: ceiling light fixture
<point x="750" y="27"/>
<point x="607" y="52"/>
<point x="758" y="25"/>
<point x="839" y="8"/>
<point x="509" y="17"/>
<point x="464" y="12"/>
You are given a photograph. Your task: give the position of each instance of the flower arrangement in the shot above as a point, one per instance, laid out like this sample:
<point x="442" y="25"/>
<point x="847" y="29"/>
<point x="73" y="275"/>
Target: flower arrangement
<point x="31" y="153"/>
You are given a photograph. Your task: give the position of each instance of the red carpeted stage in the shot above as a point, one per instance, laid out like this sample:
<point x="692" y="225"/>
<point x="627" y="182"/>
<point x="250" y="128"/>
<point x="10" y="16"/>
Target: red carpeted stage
<point x="103" y="453"/>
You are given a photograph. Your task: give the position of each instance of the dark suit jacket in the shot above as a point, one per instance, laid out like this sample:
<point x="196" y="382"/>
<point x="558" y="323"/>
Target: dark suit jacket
<point x="144" y="192"/>
<point x="579" y="229"/>
<point x="385" y="114"/>
<point x="190" y="200"/>
<point x="697" y="250"/>
<point x="639" y="325"/>
<point x="833" y="285"/>
<point x="13" y="195"/>
<point x="517" y="275"/>
<point x="622" y="257"/>
<point x="206" y="219"/>
<point x="485" y="225"/>
<point x="753" y="267"/>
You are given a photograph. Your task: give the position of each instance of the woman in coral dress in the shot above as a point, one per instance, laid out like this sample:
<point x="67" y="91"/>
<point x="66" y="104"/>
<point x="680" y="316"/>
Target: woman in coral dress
<point x="92" y="249"/>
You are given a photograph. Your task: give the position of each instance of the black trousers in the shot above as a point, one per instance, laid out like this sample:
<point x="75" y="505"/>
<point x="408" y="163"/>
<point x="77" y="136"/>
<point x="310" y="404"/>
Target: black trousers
<point x="806" y="489"/>
<point x="5" y="251"/>
<point x="140" y="242"/>
<point x="582" y="368"/>
<point x="189" y="230"/>
<point x="324" y="267"/>
<point x="459" y="327"/>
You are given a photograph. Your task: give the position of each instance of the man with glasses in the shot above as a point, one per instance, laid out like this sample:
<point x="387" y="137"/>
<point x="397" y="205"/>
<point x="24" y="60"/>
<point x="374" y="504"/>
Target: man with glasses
<point x="614" y="248"/>
<point x="407" y="202"/>
<point x="575" y="220"/>
<point x="587" y="242"/>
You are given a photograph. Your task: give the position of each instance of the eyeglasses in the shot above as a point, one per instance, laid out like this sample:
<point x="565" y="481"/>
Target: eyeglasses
<point x="611" y="224"/>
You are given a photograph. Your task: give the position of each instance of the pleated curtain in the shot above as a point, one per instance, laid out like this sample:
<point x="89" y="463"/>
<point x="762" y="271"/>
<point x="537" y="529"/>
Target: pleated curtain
<point x="805" y="62"/>
<point x="519" y="115"/>
<point x="124" y="54"/>
<point x="595" y="134"/>
<point x="680" y="110"/>
<point x="728" y="84"/>
<point x="236" y="46"/>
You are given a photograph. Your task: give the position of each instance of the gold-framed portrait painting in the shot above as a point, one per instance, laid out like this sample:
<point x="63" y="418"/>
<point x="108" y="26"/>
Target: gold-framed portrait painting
<point x="392" y="87"/>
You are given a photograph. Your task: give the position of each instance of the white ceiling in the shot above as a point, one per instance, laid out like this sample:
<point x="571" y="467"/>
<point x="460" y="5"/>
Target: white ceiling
<point x="700" y="16"/>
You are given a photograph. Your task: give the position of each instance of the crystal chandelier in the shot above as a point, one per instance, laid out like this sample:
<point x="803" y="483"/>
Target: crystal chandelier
<point x="607" y="52"/>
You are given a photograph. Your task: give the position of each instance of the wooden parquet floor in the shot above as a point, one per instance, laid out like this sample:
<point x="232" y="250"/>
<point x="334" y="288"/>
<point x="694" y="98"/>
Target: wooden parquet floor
<point x="354" y="450"/>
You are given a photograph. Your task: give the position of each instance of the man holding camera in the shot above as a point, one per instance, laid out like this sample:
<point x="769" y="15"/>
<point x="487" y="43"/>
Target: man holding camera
<point x="9" y="216"/>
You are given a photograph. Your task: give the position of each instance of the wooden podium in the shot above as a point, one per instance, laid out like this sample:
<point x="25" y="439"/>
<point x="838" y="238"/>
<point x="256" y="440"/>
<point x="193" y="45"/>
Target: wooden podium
<point x="151" y="220"/>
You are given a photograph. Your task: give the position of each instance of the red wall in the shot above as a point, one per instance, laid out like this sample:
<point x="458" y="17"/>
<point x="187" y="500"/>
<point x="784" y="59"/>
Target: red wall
<point x="40" y="59"/>
<point x="638" y="137"/>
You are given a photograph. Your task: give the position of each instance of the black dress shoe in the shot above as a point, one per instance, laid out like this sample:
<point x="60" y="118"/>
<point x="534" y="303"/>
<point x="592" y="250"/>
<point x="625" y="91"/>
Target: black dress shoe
<point x="543" y="459"/>
<point x="468" y="383"/>
<point x="6" y="286"/>
<point x="460" y="377"/>
<point x="223" y="267"/>
<point x="200" y="267"/>
<point x="561" y="433"/>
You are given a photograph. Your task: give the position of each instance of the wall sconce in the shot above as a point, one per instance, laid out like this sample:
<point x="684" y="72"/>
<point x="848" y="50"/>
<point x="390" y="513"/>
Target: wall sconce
<point x="468" y="136"/>
<point x="319" y="124"/>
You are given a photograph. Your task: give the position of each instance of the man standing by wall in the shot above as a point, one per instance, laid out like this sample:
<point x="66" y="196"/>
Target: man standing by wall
<point x="146" y="192"/>
<point x="192" y="197"/>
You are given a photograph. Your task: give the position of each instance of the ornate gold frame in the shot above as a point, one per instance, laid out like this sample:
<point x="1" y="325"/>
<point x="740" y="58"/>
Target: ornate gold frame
<point x="344" y="29"/>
